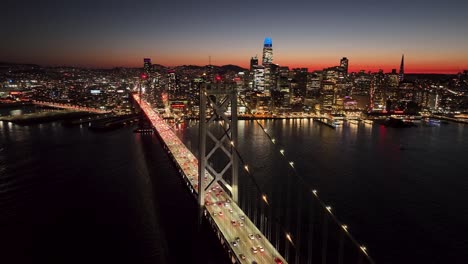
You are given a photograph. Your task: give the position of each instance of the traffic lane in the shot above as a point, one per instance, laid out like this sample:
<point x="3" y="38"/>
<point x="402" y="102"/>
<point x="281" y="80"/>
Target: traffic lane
<point x="246" y="243"/>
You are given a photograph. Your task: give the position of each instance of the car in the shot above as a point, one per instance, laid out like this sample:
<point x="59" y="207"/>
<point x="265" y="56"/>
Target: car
<point x="220" y="213"/>
<point x="226" y="204"/>
<point x="234" y="243"/>
<point x="261" y="248"/>
<point x="229" y="201"/>
<point x="230" y="210"/>
<point x="215" y="213"/>
<point x="242" y="256"/>
<point x="237" y="239"/>
<point x="233" y="222"/>
<point x="241" y="223"/>
<point x="278" y="260"/>
<point x="258" y="236"/>
<point x="251" y="236"/>
<point x="242" y="217"/>
<point x="254" y="250"/>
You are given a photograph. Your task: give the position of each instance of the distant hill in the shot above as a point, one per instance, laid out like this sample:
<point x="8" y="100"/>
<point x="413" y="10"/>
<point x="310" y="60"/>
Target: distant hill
<point x="231" y="67"/>
<point x="224" y="68"/>
<point x="12" y="64"/>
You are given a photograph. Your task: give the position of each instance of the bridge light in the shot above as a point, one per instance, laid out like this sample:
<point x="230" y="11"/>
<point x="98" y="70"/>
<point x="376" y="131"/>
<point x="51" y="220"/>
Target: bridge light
<point x="265" y="198"/>
<point x="291" y="163"/>
<point x="328" y="208"/>
<point x="232" y="143"/>
<point x="282" y="152"/>
<point x="345" y="227"/>
<point x="246" y="168"/>
<point x="288" y="236"/>
<point x="273" y="140"/>
<point x="314" y="192"/>
<point x="266" y="130"/>
<point x="364" y="249"/>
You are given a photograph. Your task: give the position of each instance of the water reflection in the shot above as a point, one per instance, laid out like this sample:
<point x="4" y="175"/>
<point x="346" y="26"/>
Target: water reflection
<point x="16" y="112"/>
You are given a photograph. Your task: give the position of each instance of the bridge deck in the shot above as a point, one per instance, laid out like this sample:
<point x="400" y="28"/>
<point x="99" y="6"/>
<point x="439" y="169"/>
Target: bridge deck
<point x="219" y="210"/>
<point x="71" y="107"/>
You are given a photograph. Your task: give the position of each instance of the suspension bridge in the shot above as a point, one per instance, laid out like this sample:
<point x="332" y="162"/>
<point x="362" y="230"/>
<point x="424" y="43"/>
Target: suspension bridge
<point x="253" y="224"/>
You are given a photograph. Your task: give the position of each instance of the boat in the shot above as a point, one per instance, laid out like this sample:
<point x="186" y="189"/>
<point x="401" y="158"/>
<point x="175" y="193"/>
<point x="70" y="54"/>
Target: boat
<point x="434" y="121"/>
<point x="354" y="122"/>
<point x="338" y="122"/>
<point x="398" y="123"/>
<point x="368" y="121"/>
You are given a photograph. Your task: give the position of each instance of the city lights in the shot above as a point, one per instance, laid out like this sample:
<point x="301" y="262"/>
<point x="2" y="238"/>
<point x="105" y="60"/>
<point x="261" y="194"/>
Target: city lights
<point x="366" y="102"/>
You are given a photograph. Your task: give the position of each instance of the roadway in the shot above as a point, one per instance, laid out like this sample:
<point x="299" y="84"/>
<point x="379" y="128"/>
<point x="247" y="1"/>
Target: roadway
<point x="218" y="203"/>
<point x="71" y="107"/>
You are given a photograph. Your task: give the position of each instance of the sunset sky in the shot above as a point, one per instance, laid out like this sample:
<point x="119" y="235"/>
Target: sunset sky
<point x="433" y="35"/>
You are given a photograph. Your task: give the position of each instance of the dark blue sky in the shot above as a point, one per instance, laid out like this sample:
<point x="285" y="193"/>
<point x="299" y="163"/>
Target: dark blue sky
<point x="373" y="34"/>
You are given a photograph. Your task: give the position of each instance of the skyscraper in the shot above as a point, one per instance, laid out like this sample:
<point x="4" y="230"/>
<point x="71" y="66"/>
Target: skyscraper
<point x="344" y="64"/>
<point x="267" y="62"/>
<point x="253" y="62"/>
<point x="267" y="52"/>
<point x="402" y="68"/>
<point x="147" y="65"/>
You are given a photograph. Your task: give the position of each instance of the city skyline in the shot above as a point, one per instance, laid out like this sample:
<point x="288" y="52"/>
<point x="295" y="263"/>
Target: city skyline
<point x="310" y="35"/>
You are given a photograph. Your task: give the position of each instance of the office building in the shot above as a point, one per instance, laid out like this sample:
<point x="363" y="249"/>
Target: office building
<point x="344" y="65"/>
<point x="147" y="65"/>
<point x="253" y="62"/>
<point x="402" y="68"/>
<point x="267" y="58"/>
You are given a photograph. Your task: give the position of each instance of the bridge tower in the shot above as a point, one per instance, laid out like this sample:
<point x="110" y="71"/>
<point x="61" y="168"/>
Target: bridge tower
<point x="217" y="97"/>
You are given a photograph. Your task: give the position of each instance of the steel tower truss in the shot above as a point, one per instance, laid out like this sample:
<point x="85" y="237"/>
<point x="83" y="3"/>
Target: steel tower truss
<point x="218" y="97"/>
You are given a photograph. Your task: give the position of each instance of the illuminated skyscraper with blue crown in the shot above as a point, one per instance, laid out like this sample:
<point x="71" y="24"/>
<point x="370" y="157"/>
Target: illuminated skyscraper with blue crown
<point x="267" y="62"/>
<point x="267" y="58"/>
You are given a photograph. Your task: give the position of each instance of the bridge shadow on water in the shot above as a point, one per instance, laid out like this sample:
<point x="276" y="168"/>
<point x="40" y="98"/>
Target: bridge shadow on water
<point x="185" y="241"/>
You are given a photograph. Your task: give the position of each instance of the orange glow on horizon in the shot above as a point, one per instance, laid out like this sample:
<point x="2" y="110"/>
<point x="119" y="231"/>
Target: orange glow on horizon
<point x="411" y="66"/>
